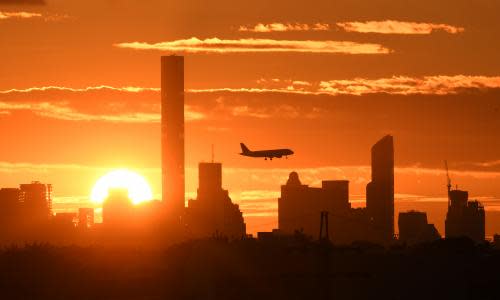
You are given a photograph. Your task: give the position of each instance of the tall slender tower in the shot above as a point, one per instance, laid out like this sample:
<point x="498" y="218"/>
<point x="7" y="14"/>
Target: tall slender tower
<point x="380" y="191"/>
<point x="172" y="133"/>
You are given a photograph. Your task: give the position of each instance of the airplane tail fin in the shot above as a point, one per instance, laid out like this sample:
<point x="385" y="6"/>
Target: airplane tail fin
<point x="244" y="148"/>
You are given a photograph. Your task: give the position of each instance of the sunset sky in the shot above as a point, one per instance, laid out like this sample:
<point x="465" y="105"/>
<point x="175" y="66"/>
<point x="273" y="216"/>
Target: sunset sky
<point x="79" y="95"/>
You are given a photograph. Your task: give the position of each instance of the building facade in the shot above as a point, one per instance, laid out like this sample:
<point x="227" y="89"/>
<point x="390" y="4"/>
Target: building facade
<point x="172" y="133"/>
<point x="414" y="228"/>
<point x="213" y="213"/>
<point x="464" y="218"/>
<point x="380" y="191"/>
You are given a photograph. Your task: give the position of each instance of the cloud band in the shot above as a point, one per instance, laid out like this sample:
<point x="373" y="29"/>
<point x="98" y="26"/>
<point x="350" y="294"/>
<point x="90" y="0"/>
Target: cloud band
<point x="216" y="45"/>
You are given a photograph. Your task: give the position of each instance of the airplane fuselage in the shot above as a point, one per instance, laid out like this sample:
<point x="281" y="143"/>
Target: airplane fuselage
<point x="274" y="153"/>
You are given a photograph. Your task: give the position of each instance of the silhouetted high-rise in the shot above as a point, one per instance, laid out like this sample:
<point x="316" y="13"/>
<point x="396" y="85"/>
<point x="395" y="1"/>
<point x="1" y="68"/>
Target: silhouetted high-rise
<point x="9" y="204"/>
<point x="380" y="191"/>
<point x="464" y="217"/>
<point x="413" y="228"/>
<point x="10" y="211"/>
<point x="213" y="211"/>
<point x="36" y="200"/>
<point x="172" y="133"/>
<point x="300" y="207"/>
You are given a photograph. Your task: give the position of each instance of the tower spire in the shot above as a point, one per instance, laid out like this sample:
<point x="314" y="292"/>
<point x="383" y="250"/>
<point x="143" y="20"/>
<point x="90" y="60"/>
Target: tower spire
<point x="448" y="181"/>
<point x="213" y="154"/>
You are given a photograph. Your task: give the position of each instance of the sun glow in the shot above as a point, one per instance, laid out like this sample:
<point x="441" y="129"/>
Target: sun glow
<point x="136" y="185"/>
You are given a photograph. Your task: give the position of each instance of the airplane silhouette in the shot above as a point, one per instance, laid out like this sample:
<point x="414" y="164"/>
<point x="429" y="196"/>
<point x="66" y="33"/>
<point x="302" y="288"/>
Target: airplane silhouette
<point x="278" y="153"/>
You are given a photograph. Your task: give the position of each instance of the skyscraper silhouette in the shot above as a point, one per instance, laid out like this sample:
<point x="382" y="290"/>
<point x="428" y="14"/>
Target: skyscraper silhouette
<point x="300" y="208"/>
<point x="380" y="191"/>
<point x="172" y="133"/>
<point x="10" y="212"/>
<point x="36" y="199"/>
<point x="464" y="217"/>
<point x="414" y="228"/>
<point x="213" y="212"/>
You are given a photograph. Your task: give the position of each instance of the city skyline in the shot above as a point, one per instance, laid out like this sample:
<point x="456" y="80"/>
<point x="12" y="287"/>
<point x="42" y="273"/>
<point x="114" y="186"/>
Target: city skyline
<point x="249" y="149"/>
<point x="437" y="68"/>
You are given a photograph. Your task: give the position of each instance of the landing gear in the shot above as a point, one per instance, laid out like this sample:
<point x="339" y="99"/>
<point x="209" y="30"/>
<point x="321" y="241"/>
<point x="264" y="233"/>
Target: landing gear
<point x="265" y="158"/>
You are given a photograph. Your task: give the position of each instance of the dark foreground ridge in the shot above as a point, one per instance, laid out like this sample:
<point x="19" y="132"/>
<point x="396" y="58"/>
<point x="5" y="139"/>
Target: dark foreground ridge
<point x="253" y="269"/>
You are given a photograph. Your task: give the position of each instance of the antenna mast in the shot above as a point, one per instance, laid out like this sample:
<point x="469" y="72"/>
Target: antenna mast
<point x="213" y="155"/>
<point x="448" y="175"/>
<point x="448" y="180"/>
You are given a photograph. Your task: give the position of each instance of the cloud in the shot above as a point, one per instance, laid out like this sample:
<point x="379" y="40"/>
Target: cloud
<point x="489" y="163"/>
<point x="23" y="2"/>
<point x="436" y="84"/>
<point x="484" y="165"/>
<point x="32" y="15"/>
<point x="142" y="104"/>
<point x="403" y="85"/>
<point x="124" y="104"/>
<point x="128" y="89"/>
<point x="100" y="103"/>
<point x="61" y="111"/>
<point x="397" y="27"/>
<point x="19" y="15"/>
<point x="382" y="27"/>
<point x="138" y="104"/>
<point x="396" y="85"/>
<point x="253" y="90"/>
<point x="216" y="45"/>
<point x="284" y="111"/>
<point x="282" y="27"/>
<point x="57" y="17"/>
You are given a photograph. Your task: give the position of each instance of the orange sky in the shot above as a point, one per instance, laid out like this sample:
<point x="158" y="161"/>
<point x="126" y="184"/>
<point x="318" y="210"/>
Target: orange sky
<point x="327" y="79"/>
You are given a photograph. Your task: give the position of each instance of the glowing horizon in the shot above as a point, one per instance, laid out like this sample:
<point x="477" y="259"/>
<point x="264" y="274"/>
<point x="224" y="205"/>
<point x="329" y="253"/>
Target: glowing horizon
<point x="138" y="188"/>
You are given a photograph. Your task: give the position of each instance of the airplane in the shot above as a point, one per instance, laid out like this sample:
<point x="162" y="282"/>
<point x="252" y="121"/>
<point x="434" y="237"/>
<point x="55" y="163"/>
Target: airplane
<point x="278" y="153"/>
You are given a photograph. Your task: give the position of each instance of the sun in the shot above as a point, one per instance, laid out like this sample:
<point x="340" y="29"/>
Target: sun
<point x="137" y="186"/>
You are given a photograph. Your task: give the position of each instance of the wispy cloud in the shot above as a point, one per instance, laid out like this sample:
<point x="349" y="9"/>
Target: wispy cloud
<point x="484" y="164"/>
<point x="62" y="111"/>
<point x="282" y="27"/>
<point x="216" y="45"/>
<point x="382" y="27"/>
<point x="284" y="111"/>
<point x="489" y="163"/>
<point x="403" y="85"/>
<point x="397" y="85"/>
<point x="142" y="105"/>
<point x="397" y="27"/>
<point x="255" y="90"/>
<point x="128" y="89"/>
<point x="23" y="2"/>
<point x="33" y="15"/>
<point x="437" y="84"/>
<point x="19" y="15"/>
<point x="109" y="104"/>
